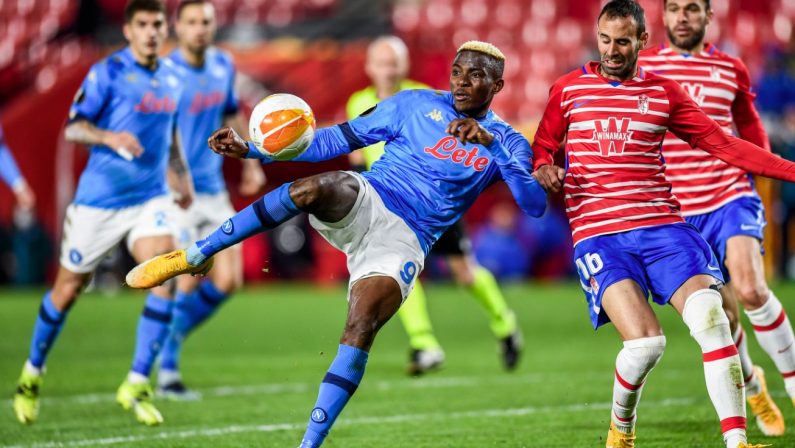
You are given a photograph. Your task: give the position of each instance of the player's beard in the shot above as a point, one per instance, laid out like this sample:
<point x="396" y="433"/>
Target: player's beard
<point x="689" y="43"/>
<point x="625" y="71"/>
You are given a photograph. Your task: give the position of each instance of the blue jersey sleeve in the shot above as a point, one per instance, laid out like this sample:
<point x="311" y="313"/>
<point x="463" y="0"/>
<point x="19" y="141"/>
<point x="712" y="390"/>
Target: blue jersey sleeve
<point x="90" y="99"/>
<point x="9" y="171"/>
<point x="515" y="160"/>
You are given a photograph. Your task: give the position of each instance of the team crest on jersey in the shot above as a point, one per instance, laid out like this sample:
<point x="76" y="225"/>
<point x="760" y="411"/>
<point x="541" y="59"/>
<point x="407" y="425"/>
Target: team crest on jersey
<point x="612" y="134"/>
<point x="435" y="115"/>
<point x="643" y="104"/>
<point x="714" y="73"/>
<point x="696" y="91"/>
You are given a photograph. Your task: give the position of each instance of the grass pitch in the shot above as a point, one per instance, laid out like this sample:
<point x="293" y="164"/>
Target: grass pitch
<point x="258" y="364"/>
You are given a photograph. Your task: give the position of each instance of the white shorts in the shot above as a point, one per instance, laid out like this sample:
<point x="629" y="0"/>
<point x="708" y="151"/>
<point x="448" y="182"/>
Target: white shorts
<point x="89" y="233"/>
<point x="206" y="214"/>
<point x="376" y="241"/>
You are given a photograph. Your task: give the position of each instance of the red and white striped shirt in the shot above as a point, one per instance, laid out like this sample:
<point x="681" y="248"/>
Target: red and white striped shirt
<point x="615" y="179"/>
<point x="720" y="85"/>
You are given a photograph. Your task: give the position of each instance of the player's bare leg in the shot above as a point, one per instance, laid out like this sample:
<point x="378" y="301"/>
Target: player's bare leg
<point x="52" y="314"/>
<point x="372" y="302"/>
<point x="771" y="326"/>
<point x="481" y="283"/>
<point x="700" y="304"/>
<point x="644" y="344"/>
<point x="135" y="392"/>
<point x="196" y="300"/>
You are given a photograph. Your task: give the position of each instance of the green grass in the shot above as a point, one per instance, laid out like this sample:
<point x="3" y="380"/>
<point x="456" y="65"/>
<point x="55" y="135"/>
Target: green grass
<point x="258" y="364"/>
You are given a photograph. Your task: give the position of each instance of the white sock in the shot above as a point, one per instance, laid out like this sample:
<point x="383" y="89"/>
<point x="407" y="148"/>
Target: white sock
<point x="709" y="326"/>
<point x="136" y="378"/>
<point x="633" y="364"/>
<point x="752" y="386"/>
<point x="165" y="376"/>
<point x="30" y="368"/>
<point x="774" y="333"/>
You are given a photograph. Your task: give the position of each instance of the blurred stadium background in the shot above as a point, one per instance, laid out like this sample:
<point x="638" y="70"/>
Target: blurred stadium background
<point x="316" y="49"/>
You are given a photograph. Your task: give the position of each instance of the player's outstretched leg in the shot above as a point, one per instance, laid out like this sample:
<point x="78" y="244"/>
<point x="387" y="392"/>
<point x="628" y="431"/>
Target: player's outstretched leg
<point x="52" y="314"/>
<point x="703" y="313"/>
<point x="372" y="301"/>
<point x="426" y="352"/>
<point x="263" y="214"/>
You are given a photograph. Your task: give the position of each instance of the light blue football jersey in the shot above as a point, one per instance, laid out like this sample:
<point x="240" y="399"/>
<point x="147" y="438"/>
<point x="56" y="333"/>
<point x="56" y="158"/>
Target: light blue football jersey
<point x="9" y="171"/>
<point x="426" y="176"/>
<point x="118" y="94"/>
<point x="208" y="97"/>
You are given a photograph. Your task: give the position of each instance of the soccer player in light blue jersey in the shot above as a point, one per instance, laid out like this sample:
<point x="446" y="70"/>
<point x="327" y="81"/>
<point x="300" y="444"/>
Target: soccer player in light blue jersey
<point x="9" y="172"/>
<point x="209" y="101"/>
<point x="442" y="150"/>
<point x="125" y="111"/>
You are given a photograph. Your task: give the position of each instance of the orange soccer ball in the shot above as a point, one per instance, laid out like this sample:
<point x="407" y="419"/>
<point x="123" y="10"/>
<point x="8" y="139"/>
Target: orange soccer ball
<point x="282" y="126"/>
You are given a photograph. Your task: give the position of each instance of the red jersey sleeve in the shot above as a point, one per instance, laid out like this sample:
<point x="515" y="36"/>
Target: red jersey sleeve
<point x="688" y="122"/>
<point x="746" y="119"/>
<point x="552" y="129"/>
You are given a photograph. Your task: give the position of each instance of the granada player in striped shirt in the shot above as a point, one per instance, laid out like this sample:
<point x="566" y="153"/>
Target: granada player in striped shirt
<point x="629" y="235"/>
<point x="720" y="199"/>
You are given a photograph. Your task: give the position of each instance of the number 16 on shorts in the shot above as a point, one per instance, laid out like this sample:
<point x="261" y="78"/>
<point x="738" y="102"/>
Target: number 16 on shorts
<point x="587" y="267"/>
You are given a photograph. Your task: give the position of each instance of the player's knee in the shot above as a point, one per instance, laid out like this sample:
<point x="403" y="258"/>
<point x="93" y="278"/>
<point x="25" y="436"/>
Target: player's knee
<point x="645" y="352"/>
<point x="752" y="295"/>
<point x="309" y="192"/>
<point x="703" y="310"/>
<point x="360" y="331"/>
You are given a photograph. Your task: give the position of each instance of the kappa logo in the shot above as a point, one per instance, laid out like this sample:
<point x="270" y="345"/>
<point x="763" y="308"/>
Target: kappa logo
<point x="696" y="91"/>
<point x="435" y="115"/>
<point x="612" y="135"/>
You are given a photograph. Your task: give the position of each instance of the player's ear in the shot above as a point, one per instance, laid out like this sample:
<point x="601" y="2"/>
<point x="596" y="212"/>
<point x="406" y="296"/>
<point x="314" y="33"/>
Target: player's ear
<point x="126" y="31"/>
<point x="643" y="41"/>
<point x="710" y="13"/>
<point x="498" y="85"/>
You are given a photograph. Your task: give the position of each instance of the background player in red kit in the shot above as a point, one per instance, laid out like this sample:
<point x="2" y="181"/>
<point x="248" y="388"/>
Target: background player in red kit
<point x="625" y="220"/>
<point x="720" y="200"/>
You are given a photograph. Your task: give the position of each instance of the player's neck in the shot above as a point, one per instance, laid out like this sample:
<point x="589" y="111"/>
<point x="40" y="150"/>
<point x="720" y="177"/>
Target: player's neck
<point x="385" y="92"/>
<point x="695" y="50"/>
<point x="194" y="58"/>
<point x="149" y="62"/>
<point x="618" y="78"/>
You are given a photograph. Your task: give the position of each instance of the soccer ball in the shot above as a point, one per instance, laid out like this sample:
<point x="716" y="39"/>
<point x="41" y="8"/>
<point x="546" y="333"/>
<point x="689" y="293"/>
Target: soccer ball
<point x="282" y="126"/>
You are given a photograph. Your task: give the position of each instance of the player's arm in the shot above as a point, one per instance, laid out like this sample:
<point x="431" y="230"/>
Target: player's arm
<point x="688" y="122"/>
<point x="380" y="123"/>
<point x="746" y="118"/>
<point x="9" y="172"/>
<point x="551" y="132"/>
<point x="178" y="175"/>
<point x="527" y="192"/>
<point x="89" y="103"/>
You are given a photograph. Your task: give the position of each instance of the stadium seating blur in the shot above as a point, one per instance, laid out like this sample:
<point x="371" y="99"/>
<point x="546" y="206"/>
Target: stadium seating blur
<point x="48" y="45"/>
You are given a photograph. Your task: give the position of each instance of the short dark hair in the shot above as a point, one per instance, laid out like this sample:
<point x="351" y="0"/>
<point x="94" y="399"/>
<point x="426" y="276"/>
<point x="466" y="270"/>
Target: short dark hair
<point x="706" y="3"/>
<point x="625" y="8"/>
<point x="185" y="3"/>
<point x="134" y="6"/>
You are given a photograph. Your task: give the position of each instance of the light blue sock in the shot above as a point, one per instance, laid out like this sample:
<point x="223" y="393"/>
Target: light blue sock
<point x="341" y="381"/>
<point x="47" y="327"/>
<point x="152" y="332"/>
<point x="265" y="213"/>
<point x="190" y="310"/>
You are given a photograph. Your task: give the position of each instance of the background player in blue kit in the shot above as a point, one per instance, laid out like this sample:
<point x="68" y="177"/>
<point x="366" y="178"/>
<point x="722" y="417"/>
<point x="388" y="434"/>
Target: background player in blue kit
<point x="9" y="172"/>
<point x="126" y="111"/>
<point x="209" y="101"/>
<point x="442" y="150"/>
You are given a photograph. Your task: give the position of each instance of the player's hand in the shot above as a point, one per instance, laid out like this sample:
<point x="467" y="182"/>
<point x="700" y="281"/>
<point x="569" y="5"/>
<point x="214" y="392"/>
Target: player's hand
<point x="181" y="188"/>
<point x="252" y="179"/>
<point x="550" y="177"/>
<point x="25" y="197"/>
<point x="124" y="143"/>
<point x="226" y="142"/>
<point x="468" y="130"/>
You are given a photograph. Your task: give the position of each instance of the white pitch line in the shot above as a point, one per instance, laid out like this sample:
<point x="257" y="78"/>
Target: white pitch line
<point x="297" y="388"/>
<point x="401" y="418"/>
